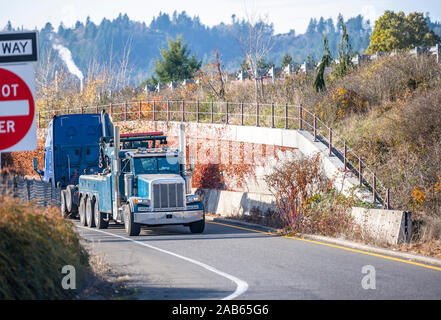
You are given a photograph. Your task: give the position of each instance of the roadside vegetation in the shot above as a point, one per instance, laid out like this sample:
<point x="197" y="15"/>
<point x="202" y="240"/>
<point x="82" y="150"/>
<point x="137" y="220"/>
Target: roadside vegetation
<point x="307" y="202"/>
<point x="35" y="244"/>
<point x="388" y="111"/>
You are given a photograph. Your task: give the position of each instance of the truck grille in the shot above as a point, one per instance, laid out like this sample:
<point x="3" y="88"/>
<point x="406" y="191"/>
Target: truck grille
<point x="168" y="196"/>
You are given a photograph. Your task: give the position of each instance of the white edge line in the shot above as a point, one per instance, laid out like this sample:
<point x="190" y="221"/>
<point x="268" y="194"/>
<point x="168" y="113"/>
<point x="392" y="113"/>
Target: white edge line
<point x="241" y="286"/>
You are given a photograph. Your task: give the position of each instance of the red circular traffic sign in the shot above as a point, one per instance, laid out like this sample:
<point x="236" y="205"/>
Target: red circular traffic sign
<point x="17" y="109"/>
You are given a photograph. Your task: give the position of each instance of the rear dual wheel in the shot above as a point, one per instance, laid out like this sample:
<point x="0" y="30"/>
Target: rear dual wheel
<point x="100" y="221"/>
<point x="63" y="207"/>
<point x="82" y="211"/>
<point x="90" y="212"/>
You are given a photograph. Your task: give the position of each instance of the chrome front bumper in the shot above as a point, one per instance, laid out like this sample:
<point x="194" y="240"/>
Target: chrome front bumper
<point x="172" y="217"/>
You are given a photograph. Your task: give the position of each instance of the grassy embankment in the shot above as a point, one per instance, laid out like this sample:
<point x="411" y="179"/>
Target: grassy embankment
<point x="35" y="244"/>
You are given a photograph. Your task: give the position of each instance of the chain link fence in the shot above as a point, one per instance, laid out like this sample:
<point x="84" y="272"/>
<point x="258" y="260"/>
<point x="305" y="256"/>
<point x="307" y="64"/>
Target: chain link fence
<point x="28" y="189"/>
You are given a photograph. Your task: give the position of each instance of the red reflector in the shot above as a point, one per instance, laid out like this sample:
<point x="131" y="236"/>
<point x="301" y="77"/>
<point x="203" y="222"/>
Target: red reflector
<point x="144" y="134"/>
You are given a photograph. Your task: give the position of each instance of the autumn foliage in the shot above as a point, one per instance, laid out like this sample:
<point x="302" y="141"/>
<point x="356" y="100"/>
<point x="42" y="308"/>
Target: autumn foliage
<point x="293" y="183"/>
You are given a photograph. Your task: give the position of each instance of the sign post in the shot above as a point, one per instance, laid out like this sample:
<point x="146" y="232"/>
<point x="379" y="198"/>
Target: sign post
<point x="18" y="54"/>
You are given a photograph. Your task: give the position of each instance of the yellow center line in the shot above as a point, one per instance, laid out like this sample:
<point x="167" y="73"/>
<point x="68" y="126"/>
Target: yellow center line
<point x="333" y="245"/>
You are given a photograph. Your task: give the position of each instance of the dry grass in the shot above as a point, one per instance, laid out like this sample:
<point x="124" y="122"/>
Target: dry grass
<point x="103" y="282"/>
<point x="35" y="244"/>
<point x="430" y="248"/>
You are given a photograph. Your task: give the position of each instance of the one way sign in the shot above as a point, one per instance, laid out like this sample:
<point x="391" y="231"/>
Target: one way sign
<point x="18" y="53"/>
<point x="18" y="47"/>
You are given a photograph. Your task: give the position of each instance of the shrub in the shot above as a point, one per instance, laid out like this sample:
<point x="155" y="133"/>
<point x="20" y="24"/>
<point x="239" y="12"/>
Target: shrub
<point x="305" y="200"/>
<point x="391" y="77"/>
<point x="328" y="214"/>
<point x="293" y="183"/>
<point x="35" y="244"/>
<point x="340" y="103"/>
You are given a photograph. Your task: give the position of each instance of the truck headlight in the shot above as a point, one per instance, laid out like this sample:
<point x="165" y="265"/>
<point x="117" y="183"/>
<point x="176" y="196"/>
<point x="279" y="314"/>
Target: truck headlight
<point x="145" y="202"/>
<point x="193" y="198"/>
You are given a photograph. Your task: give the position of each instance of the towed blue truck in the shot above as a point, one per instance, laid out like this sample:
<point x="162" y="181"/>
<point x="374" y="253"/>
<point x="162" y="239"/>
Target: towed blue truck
<point x="72" y="148"/>
<point x="143" y="182"/>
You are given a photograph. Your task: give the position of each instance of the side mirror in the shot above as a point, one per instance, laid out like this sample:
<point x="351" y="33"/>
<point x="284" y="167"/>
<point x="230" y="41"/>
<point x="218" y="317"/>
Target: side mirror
<point x="35" y="163"/>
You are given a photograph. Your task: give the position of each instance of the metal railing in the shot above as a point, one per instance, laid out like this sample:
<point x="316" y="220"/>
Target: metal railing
<point x="247" y="114"/>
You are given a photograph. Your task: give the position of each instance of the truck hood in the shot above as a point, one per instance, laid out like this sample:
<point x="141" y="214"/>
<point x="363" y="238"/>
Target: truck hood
<point x="145" y="180"/>
<point x="160" y="177"/>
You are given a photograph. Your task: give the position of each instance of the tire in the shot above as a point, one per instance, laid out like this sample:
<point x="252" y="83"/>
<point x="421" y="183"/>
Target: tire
<point x="82" y="211"/>
<point x="69" y="198"/>
<point x="63" y="208"/>
<point x="100" y="223"/>
<point x="132" y="228"/>
<point x="90" y="211"/>
<point x="198" y="226"/>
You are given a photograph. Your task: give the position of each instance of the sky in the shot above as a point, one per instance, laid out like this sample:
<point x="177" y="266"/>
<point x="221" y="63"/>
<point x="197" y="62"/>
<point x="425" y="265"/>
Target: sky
<point x="284" y="14"/>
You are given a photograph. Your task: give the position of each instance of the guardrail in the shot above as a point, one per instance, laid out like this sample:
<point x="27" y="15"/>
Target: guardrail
<point x="239" y="113"/>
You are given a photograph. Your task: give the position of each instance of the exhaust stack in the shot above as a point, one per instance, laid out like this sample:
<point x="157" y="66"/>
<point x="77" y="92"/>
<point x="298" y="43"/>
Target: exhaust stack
<point x="116" y="170"/>
<point x="183" y="159"/>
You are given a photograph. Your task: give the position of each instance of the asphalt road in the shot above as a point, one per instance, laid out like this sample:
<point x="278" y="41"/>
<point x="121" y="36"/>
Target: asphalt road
<point x="230" y="262"/>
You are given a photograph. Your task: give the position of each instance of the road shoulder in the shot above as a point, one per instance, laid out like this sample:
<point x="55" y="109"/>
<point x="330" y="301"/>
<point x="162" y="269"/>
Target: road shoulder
<point x="333" y="241"/>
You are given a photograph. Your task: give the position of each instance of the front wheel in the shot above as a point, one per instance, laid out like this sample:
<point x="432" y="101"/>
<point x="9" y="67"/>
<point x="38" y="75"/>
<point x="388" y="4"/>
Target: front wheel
<point x="132" y="228"/>
<point x="198" y="226"/>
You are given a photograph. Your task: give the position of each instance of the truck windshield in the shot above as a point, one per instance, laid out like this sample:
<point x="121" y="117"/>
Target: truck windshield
<point x="156" y="165"/>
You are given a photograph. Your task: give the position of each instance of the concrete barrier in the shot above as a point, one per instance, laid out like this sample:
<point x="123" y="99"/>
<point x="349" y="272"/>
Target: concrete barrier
<point x="390" y="226"/>
<point x="231" y="203"/>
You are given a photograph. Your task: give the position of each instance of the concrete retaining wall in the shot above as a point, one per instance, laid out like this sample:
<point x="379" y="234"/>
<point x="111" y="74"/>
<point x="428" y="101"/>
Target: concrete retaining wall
<point x="390" y="226"/>
<point x="303" y="141"/>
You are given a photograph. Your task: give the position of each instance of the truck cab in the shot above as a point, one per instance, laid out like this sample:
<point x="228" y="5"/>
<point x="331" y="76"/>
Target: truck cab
<point x="144" y="184"/>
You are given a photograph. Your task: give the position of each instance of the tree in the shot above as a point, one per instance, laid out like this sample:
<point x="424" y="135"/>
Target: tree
<point x="9" y="26"/>
<point x="175" y="63"/>
<point x="319" y="82"/>
<point x="287" y="59"/>
<point x="312" y="26"/>
<point x="264" y="65"/>
<point x="344" y="53"/>
<point x="397" y="31"/>
<point x="321" y="26"/>
<point x="256" y="41"/>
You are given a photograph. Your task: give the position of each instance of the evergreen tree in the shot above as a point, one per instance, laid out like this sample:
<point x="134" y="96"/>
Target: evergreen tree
<point x="9" y="26"/>
<point x="175" y="63"/>
<point x="312" y="26"/>
<point x="321" y="26"/>
<point x="287" y="59"/>
<point x="344" y="53"/>
<point x="319" y="82"/>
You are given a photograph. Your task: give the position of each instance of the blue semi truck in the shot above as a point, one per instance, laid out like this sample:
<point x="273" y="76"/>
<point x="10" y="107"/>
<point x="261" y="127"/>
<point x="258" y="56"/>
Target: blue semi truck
<point x="72" y="148"/>
<point x="143" y="182"/>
